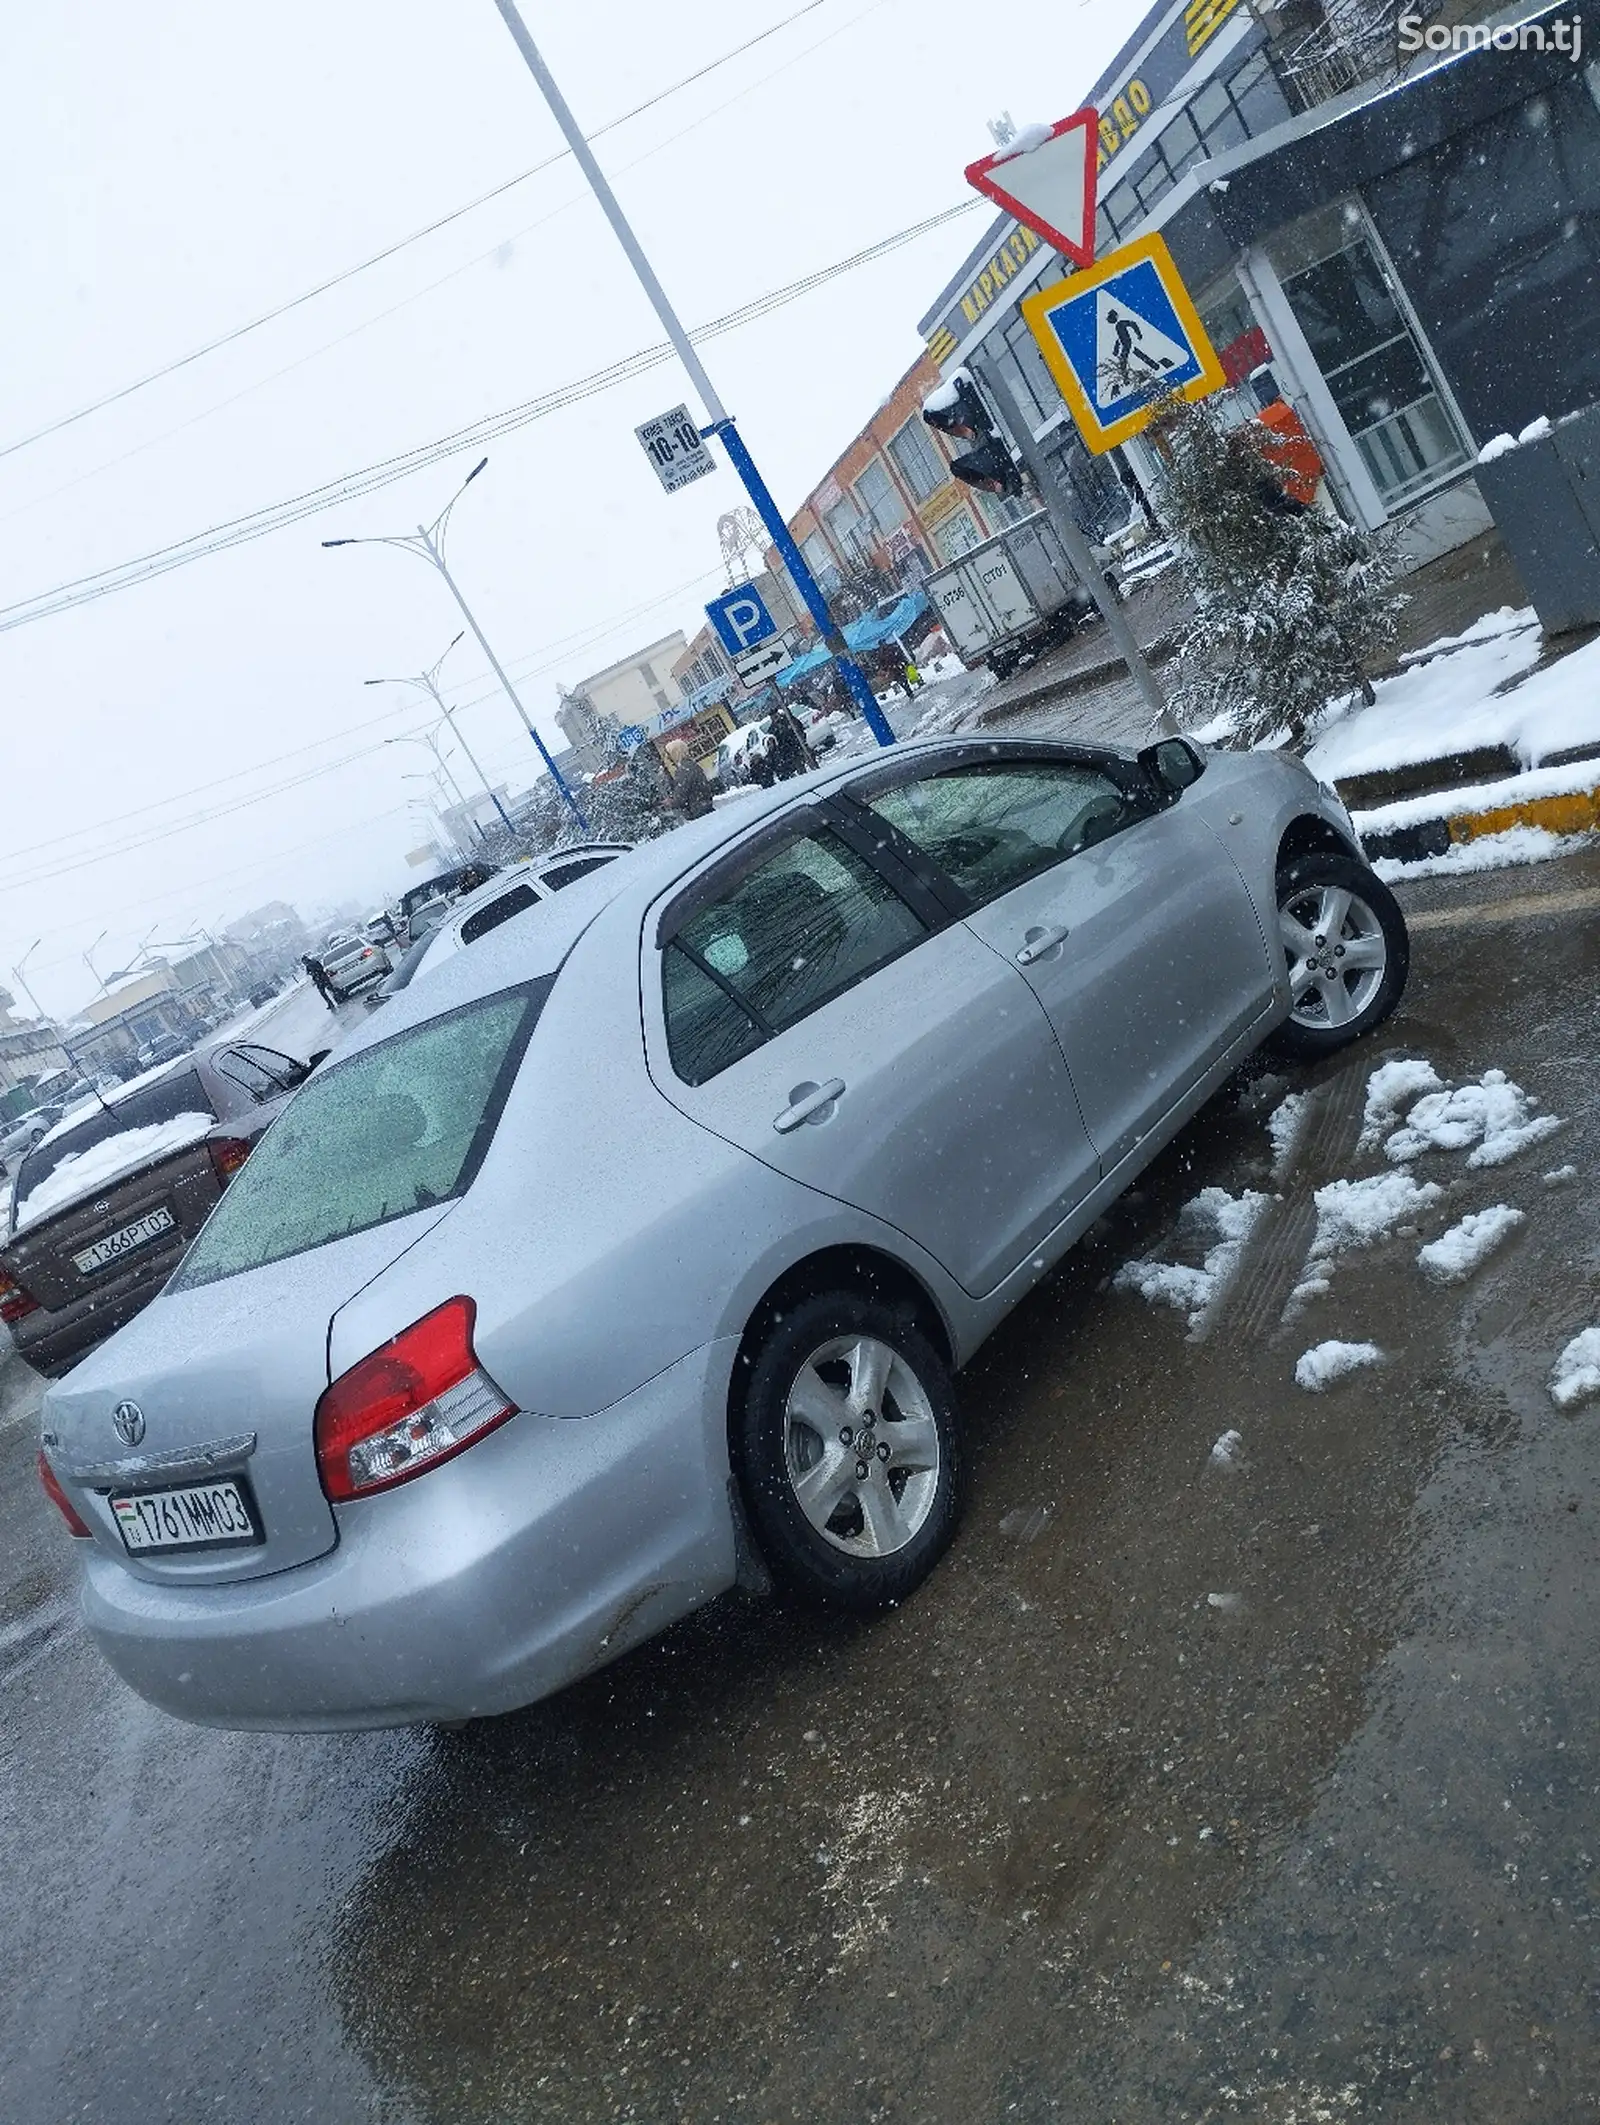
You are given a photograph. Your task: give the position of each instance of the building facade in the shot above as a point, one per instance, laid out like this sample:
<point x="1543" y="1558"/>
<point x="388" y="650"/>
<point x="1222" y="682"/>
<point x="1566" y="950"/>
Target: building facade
<point x="888" y="508"/>
<point x="29" y="1047"/>
<point x="1202" y="95"/>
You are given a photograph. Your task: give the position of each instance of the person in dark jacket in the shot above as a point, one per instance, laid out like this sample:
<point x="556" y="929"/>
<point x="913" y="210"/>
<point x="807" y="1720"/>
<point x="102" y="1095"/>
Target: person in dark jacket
<point x="324" y="986"/>
<point x="688" y="791"/>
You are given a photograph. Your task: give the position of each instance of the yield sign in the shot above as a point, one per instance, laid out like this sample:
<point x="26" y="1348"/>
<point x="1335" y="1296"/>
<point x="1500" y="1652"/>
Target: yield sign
<point x="1048" y="177"/>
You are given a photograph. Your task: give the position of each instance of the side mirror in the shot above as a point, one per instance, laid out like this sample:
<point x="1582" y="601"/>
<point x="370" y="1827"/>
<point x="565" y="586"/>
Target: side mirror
<point x="312" y="1061"/>
<point x="1172" y="766"/>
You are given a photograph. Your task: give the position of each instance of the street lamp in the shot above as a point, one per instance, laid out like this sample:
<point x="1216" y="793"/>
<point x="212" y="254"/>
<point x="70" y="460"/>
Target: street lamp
<point x="427" y="542"/>
<point x="16" y="976"/>
<point x="88" y="959"/>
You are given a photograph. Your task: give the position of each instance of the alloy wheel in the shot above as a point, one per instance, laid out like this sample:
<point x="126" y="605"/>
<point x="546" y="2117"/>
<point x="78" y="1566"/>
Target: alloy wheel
<point x="861" y="1446"/>
<point x="1337" y="954"/>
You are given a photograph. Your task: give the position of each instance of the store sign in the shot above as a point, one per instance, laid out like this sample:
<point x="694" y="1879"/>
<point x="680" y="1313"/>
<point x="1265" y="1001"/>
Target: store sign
<point x="676" y="449"/>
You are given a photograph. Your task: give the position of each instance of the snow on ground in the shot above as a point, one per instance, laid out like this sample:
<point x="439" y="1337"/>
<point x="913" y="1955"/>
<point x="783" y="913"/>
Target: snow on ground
<point x="1560" y="1177"/>
<point x="1231" y="1218"/>
<point x="1324" y="1363"/>
<point x="1576" y="1374"/>
<point x="1451" y="700"/>
<point x="1453" y="1257"/>
<point x="109" y="1160"/>
<point x="1284" y="1124"/>
<point x="1354" y="1214"/>
<point x="1228" y="1452"/>
<point x="1391" y="1089"/>
<point x="1490" y="852"/>
<point x="1495" y="1115"/>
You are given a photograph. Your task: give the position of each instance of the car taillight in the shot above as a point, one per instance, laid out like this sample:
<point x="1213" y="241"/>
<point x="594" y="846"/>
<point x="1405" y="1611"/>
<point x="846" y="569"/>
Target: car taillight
<point x="59" y="1499"/>
<point x="407" y="1407"/>
<point x="228" y="1154"/>
<point x="15" y="1303"/>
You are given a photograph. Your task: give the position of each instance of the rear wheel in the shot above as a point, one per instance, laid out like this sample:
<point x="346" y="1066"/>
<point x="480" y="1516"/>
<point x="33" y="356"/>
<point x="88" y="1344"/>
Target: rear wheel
<point x="849" y="1452"/>
<point x="1345" y="940"/>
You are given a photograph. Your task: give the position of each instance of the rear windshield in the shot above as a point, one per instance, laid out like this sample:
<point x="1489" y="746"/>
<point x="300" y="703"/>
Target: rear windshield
<point x="112" y="1140"/>
<point x="395" y="1129"/>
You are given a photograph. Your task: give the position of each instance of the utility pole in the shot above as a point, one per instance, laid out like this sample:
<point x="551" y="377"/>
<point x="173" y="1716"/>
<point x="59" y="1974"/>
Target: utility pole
<point x="719" y="420"/>
<point x="428" y="542"/>
<point x="1059" y="505"/>
<point x="16" y="976"/>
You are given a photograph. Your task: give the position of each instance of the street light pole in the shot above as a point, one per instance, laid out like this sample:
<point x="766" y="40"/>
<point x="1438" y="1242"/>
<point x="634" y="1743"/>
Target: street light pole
<point x="16" y="976"/>
<point x="719" y="421"/>
<point x="428" y="681"/>
<point x="427" y="541"/>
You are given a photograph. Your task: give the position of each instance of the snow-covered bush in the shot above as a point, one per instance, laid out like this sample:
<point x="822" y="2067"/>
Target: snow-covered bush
<point x="1291" y="603"/>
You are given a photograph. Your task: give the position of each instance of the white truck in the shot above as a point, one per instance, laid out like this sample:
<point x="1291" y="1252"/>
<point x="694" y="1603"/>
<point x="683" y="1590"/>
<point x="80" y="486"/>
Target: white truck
<point x="1012" y="596"/>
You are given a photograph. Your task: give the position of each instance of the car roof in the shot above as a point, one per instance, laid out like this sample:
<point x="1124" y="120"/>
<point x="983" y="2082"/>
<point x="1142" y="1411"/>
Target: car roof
<point x="537" y="941"/>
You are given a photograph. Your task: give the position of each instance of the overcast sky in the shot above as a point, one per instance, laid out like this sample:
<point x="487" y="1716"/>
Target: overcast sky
<point x="176" y="170"/>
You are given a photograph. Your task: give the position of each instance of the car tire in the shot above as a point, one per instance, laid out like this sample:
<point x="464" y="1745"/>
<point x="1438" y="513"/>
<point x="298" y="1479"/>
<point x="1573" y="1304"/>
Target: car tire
<point x="1348" y="951"/>
<point x="853" y="1522"/>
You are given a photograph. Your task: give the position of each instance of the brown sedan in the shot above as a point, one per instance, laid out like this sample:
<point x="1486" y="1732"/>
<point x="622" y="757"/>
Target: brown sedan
<point x="105" y="1205"/>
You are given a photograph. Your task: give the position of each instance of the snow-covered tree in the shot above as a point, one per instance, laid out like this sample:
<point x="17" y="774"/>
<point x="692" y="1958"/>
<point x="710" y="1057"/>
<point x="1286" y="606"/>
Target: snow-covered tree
<point x="1291" y="603"/>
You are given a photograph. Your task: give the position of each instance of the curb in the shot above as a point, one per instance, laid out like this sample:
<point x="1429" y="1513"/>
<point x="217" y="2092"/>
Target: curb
<point x="1560" y="812"/>
<point x="1082" y="681"/>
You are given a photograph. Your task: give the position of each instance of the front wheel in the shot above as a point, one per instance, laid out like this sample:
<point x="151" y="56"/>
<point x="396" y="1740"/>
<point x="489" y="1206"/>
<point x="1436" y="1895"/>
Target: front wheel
<point x="1348" y="953"/>
<point x="849" y="1452"/>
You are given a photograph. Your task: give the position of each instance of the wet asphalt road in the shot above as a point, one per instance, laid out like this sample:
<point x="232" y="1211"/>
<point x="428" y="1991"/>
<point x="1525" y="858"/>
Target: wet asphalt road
<point x="1061" y="1839"/>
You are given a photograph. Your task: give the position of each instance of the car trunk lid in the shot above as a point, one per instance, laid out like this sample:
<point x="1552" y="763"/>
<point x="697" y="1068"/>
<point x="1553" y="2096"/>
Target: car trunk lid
<point x="118" y="1234"/>
<point x="218" y="1385"/>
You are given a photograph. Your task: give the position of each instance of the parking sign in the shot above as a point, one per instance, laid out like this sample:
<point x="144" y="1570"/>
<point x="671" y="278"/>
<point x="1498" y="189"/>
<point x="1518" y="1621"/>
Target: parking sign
<point x="741" y="619"/>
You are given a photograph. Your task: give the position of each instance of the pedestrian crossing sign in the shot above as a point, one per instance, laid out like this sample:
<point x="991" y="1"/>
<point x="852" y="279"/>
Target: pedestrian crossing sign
<point x="1121" y="337"/>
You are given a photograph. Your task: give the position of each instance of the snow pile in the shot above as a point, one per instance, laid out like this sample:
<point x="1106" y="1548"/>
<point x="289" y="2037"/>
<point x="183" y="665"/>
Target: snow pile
<point x="1560" y="1177"/>
<point x="1228" y="1452"/>
<point x="1484" y="691"/>
<point x="1494" y="1114"/>
<point x="1024" y="141"/>
<point x="1284" y="1124"/>
<point x="1325" y="1363"/>
<point x="1391" y="1089"/>
<point x="80" y="1172"/>
<point x="1352" y="1214"/>
<point x="1232" y="1218"/>
<point x="1453" y="1257"/>
<point x="1576" y="1377"/>
<point x="1503" y="445"/>
<point x="1489" y="852"/>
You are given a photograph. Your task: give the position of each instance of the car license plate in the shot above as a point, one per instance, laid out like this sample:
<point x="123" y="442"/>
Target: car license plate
<point x="116" y="1244"/>
<point x="201" y="1516"/>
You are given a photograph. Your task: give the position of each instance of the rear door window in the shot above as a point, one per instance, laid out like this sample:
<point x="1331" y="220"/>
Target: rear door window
<point x="397" y="1128"/>
<point x="570" y="873"/>
<point x="989" y="828"/>
<point x="262" y="1072"/>
<point x="795" y="930"/>
<point x="485" y="919"/>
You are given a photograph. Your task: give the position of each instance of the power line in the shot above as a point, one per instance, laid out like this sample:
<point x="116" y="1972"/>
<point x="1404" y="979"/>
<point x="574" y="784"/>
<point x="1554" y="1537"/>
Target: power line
<point x="276" y="516"/>
<point x="296" y="302"/>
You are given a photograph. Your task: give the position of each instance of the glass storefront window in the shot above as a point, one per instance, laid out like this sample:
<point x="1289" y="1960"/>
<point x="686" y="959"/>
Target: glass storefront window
<point x="1371" y="361"/>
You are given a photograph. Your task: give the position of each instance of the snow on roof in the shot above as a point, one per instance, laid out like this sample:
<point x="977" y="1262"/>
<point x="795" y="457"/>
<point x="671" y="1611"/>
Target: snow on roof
<point x="80" y="1172"/>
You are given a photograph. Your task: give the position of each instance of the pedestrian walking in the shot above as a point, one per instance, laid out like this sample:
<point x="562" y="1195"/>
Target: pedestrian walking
<point x="688" y="791"/>
<point x="322" y="981"/>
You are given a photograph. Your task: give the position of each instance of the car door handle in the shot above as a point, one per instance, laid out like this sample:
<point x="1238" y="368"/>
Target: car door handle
<point x="1038" y="942"/>
<point x="807" y="1103"/>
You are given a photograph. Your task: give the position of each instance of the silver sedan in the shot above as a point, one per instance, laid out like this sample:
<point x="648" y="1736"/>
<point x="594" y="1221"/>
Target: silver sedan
<point x="635" y="1252"/>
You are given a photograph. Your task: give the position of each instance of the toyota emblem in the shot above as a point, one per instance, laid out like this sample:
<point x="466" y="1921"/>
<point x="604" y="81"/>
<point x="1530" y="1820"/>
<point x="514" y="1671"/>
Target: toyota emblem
<point x="128" y="1421"/>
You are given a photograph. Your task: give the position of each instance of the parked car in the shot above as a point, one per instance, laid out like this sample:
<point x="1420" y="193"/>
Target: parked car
<point x="354" y="963"/>
<point x="633" y="1253"/>
<point x="19" y="1136"/>
<point x="509" y="893"/>
<point x="741" y="751"/>
<point x="107" y="1200"/>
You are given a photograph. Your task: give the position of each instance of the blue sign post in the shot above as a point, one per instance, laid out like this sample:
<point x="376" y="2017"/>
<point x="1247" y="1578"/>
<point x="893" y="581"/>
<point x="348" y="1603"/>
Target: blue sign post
<point x="804" y="581"/>
<point x="740" y="619"/>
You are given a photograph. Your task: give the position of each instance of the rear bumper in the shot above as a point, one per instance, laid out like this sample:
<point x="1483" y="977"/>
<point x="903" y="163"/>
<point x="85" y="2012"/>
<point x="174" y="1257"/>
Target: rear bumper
<point x="536" y="1557"/>
<point x="52" y="1340"/>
